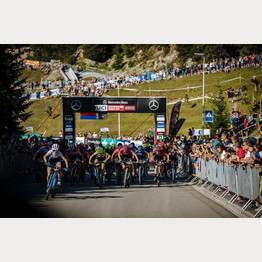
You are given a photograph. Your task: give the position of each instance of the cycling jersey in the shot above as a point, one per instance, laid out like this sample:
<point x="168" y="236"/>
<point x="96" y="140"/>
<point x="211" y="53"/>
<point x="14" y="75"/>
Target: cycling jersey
<point x="54" y="159"/>
<point x="126" y="155"/>
<point x="102" y="156"/>
<point x="159" y="156"/>
<point x="141" y="155"/>
<point x="73" y="155"/>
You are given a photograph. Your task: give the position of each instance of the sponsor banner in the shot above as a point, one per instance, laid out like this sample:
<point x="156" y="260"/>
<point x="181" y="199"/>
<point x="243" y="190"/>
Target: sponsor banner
<point x="160" y="130"/>
<point x="115" y="108"/>
<point x="96" y="141"/>
<point x="69" y="137"/>
<point x="104" y="129"/>
<point x="123" y="104"/>
<point x="69" y="129"/>
<point x="68" y="126"/>
<point x="137" y="143"/>
<point x="106" y="141"/>
<point x="123" y="142"/>
<point x="29" y="128"/>
<point x="80" y="140"/>
<point x="130" y="108"/>
<point x="160" y="126"/>
<point x="121" y="108"/>
<point x="174" y="118"/>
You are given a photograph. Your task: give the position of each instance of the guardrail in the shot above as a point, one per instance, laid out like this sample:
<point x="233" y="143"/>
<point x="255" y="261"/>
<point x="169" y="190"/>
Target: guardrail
<point x="15" y="164"/>
<point x="241" y="181"/>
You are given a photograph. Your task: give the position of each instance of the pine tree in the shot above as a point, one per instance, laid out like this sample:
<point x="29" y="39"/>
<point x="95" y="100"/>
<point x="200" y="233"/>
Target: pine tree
<point x="12" y="106"/>
<point x="221" y="118"/>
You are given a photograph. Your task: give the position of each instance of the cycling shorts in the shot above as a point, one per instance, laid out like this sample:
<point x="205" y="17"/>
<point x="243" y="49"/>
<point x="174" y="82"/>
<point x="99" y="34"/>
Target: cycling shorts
<point x="53" y="162"/>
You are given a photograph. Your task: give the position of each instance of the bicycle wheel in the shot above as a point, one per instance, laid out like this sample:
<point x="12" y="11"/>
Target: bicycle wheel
<point x="49" y="190"/>
<point x="100" y="179"/>
<point x="158" y="176"/>
<point x="95" y="176"/>
<point x="118" y="173"/>
<point x="140" y="175"/>
<point x="126" y="177"/>
<point x="72" y="176"/>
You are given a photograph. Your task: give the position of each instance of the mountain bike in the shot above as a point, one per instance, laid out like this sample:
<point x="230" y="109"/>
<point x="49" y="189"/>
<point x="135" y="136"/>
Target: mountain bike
<point x="109" y="170"/>
<point x="118" y="171"/>
<point x="74" y="173"/>
<point x="159" y="174"/>
<point x="141" y="171"/>
<point x="127" y="173"/>
<point x="98" y="174"/>
<point x="52" y="183"/>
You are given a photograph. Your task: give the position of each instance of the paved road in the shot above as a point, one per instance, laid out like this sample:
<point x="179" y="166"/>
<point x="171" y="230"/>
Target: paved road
<point x="86" y="200"/>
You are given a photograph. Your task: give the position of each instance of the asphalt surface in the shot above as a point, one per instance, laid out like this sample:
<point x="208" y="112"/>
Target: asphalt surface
<point x="27" y="199"/>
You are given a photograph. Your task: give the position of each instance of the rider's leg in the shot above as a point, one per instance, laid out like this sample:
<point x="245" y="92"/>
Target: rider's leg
<point x="48" y="173"/>
<point x="59" y="174"/>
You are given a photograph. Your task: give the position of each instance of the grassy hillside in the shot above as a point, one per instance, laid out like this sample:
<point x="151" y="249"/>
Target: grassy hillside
<point x="136" y="123"/>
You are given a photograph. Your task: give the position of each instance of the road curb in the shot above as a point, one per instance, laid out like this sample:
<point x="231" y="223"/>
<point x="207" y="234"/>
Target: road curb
<point x="237" y="211"/>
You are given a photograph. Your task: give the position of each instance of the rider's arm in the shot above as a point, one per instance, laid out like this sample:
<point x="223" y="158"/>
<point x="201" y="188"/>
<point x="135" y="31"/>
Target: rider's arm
<point x="135" y="156"/>
<point x="66" y="162"/>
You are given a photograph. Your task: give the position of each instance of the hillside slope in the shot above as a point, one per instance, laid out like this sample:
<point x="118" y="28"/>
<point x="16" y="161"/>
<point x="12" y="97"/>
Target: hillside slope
<point x="133" y="124"/>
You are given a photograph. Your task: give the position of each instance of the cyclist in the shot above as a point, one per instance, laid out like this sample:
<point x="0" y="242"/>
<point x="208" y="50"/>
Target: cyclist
<point x="54" y="158"/>
<point x="127" y="154"/>
<point x="142" y="155"/>
<point x="73" y="155"/>
<point x="101" y="156"/>
<point x="116" y="151"/>
<point x="160" y="155"/>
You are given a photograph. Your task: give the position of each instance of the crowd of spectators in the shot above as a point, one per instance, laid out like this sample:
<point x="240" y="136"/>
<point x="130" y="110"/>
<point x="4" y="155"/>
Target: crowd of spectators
<point x="241" y="122"/>
<point x="100" y="86"/>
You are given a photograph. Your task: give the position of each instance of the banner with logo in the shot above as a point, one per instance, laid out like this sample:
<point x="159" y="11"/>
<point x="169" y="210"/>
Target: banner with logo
<point x="96" y="141"/>
<point x="180" y="122"/>
<point x="174" y="119"/>
<point x="106" y="141"/>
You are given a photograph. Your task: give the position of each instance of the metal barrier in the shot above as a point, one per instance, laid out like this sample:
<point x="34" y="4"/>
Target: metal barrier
<point x="241" y="181"/>
<point x="12" y="164"/>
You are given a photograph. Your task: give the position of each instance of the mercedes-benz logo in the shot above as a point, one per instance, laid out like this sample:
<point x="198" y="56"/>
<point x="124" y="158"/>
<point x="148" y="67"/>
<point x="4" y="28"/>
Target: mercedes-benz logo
<point x="76" y="105"/>
<point x="104" y="102"/>
<point x="153" y="105"/>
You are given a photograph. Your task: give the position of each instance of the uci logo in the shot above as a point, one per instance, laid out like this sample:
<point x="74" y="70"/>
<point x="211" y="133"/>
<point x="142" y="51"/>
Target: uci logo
<point x="100" y="107"/>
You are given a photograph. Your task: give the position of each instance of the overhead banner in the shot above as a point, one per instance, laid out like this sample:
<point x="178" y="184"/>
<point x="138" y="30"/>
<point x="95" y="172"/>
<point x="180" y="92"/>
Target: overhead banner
<point x="115" y="104"/>
<point x="174" y="119"/>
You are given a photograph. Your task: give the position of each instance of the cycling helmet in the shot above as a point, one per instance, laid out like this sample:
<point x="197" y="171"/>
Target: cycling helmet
<point x="144" y="145"/>
<point x="79" y="146"/>
<point x="140" y="148"/>
<point x="82" y="145"/>
<point x="100" y="150"/>
<point x="71" y="146"/>
<point x="130" y="146"/>
<point x="44" y="143"/>
<point x="55" y="147"/>
<point x="125" y="147"/>
<point x="50" y="143"/>
<point x="113" y="144"/>
<point x="119" y="144"/>
<point x="108" y="146"/>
